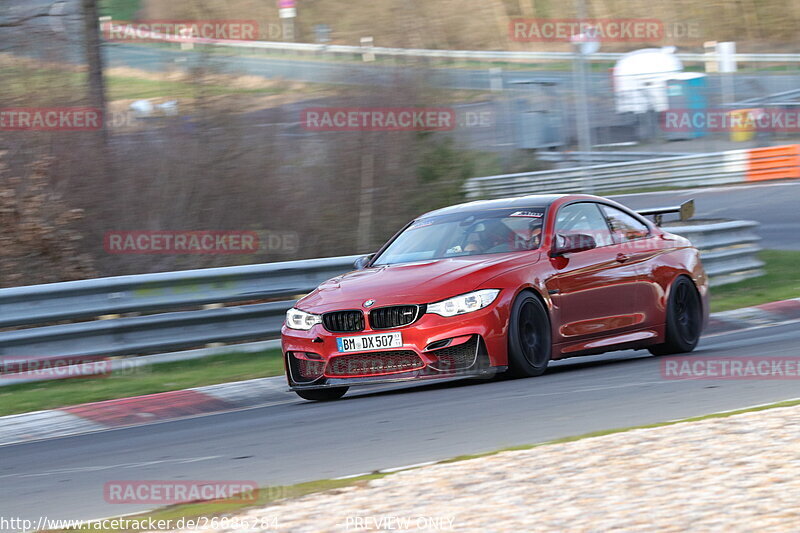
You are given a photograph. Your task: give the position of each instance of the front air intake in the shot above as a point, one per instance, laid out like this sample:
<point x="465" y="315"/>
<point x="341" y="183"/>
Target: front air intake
<point x="395" y="316"/>
<point x="343" y="321"/>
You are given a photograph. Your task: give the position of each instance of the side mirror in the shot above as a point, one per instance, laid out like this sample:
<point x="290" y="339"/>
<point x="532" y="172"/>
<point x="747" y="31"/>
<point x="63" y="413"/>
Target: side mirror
<point x="362" y="262"/>
<point x="570" y="244"/>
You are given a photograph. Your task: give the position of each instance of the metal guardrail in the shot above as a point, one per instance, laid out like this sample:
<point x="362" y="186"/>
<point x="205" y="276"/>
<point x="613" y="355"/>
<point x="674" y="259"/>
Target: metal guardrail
<point x="596" y="158"/>
<point x="38" y="304"/>
<point x="88" y="299"/>
<point x="147" y="334"/>
<point x="728" y="250"/>
<point x="688" y="171"/>
<point x="717" y="168"/>
<point x="769" y="99"/>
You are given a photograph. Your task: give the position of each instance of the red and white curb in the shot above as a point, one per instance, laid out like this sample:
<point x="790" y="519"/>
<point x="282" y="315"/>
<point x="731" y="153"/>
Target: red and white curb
<point x="141" y="410"/>
<point x="750" y="317"/>
<point x="173" y="405"/>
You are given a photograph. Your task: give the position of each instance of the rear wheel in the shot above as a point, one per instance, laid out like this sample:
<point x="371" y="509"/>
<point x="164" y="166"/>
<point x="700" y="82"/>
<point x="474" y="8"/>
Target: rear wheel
<point x="322" y="395"/>
<point x="684" y="319"/>
<point x="529" y="340"/>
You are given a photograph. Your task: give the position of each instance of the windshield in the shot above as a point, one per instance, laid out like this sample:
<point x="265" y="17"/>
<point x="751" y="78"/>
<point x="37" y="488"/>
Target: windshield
<point x="460" y="234"/>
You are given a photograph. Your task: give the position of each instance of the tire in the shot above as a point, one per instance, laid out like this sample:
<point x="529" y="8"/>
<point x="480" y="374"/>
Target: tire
<point x="322" y="395"/>
<point x="529" y="337"/>
<point x="684" y="319"/>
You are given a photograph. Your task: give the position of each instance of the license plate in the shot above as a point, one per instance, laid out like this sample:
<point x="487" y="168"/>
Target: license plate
<point x="369" y="342"/>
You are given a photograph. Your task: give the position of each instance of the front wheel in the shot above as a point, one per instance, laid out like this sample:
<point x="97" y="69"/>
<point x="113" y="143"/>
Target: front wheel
<point x="322" y="395"/>
<point x="529" y="340"/>
<point x="684" y="319"/>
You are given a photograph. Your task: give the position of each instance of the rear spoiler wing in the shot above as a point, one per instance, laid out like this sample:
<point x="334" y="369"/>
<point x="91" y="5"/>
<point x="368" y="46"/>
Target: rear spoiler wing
<point x="685" y="211"/>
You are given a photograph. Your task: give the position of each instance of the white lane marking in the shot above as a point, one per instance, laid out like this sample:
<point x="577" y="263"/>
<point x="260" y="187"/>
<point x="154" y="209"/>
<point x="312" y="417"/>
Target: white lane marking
<point x="389" y="470"/>
<point x="350" y="476"/>
<point x="588" y="389"/>
<point x="406" y="467"/>
<point x="737" y="409"/>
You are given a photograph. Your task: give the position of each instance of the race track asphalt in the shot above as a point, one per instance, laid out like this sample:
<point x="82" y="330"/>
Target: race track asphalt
<point x="380" y="428"/>
<point x="774" y="205"/>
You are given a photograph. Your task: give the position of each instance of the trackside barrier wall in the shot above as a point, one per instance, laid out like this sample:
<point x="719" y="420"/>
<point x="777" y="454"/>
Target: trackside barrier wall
<point x="729" y="249"/>
<point x="720" y="168"/>
<point x="165" y="296"/>
<point x="37" y="304"/>
<point x="773" y="163"/>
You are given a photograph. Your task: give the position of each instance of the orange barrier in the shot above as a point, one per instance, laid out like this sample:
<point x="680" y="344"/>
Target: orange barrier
<point x="773" y="163"/>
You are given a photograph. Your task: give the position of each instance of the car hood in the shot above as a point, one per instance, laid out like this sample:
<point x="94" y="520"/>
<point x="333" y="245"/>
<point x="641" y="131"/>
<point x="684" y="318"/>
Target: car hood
<point x="411" y="283"/>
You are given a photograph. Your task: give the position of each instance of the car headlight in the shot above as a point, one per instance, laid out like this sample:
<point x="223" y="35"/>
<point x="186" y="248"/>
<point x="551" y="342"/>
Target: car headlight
<point x="297" y="319"/>
<point x="465" y="303"/>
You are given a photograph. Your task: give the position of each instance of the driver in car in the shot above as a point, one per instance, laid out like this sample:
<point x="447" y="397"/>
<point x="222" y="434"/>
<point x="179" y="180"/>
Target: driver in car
<point x="535" y="238"/>
<point x="495" y="236"/>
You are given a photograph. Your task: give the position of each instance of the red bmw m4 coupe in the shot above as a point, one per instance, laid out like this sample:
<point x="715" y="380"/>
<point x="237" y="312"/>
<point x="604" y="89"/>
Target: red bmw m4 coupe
<point x="499" y="286"/>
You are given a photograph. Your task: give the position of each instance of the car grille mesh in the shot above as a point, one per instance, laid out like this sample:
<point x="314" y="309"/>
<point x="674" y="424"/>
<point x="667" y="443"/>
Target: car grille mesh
<point x="456" y="357"/>
<point x="310" y="369"/>
<point x="373" y="363"/>
<point x="305" y="370"/>
<point x="343" y="321"/>
<point x="394" y="317"/>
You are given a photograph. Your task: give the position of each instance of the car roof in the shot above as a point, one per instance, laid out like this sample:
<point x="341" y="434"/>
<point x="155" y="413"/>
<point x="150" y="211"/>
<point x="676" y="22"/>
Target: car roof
<point x="529" y="201"/>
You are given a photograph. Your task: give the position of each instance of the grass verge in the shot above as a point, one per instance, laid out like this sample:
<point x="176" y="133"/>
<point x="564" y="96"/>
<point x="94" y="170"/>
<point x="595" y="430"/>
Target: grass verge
<point x="124" y="88"/>
<point x="781" y="281"/>
<point x="23" y="398"/>
<point x="25" y="81"/>
<point x="267" y="495"/>
<point x="120" y="9"/>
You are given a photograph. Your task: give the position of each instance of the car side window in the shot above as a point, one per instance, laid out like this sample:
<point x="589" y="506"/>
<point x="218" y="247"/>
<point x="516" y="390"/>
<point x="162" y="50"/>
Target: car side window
<point x="583" y="218"/>
<point x="624" y="227"/>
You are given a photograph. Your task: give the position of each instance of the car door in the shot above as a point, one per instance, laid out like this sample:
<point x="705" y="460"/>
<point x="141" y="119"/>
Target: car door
<point x="639" y="249"/>
<point x="594" y="291"/>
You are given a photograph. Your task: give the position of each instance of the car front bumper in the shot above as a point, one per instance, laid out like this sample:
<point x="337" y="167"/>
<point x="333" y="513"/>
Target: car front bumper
<point x="433" y="347"/>
<point x="416" y="376"/>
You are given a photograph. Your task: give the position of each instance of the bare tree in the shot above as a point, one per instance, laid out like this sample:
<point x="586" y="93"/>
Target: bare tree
<point x="94" y="60"/>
